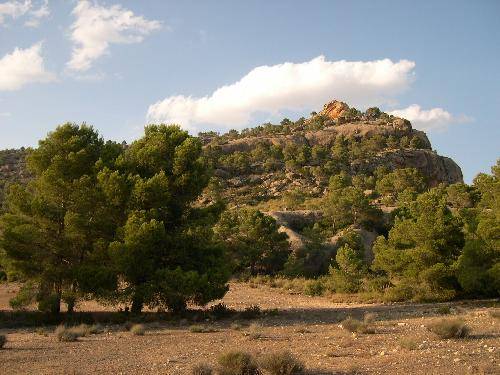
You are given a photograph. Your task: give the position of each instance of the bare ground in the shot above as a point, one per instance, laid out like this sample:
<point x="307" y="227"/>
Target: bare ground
<point x="307" y="326"/>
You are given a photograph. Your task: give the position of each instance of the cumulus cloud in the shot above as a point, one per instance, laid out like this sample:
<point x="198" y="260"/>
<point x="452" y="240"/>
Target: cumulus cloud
<point x="17" y="8"/>
<point x="96" y="27"/>
<point x="288" y="87"/>
<point x="37" y="14"/>
<point x="13" y="9"/>
<point x="429" y="119"/>
<point x="23" y="66"/>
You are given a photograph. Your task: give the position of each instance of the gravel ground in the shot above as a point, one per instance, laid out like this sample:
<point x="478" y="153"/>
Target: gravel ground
<point x="307" y="326"/>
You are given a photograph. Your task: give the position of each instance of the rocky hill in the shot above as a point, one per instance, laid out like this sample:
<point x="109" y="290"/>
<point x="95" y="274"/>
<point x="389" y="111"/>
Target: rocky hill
<point x="12" y="169"/>
<point x="269" y="161"/>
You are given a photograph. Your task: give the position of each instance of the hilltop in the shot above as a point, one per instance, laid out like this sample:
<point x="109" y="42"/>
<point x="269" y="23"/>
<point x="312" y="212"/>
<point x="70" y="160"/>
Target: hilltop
<point x="265" y="163"/>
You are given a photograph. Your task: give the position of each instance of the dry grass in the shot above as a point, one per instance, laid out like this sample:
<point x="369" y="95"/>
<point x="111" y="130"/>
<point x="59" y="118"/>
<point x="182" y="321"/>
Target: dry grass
<point x="281" y="363"/>
<point x="65" y="334"/>
<point x="449" y="328"/>
<point x="138" y="329"/>
<point x="201" y="329"/>
<point x="495" y="314"/>
<point x="237" y="363"/>
<point x="408" y="343"/>
<point x="254" y="332"/>
<point x="202" y="369"/>
<point x="358" y="326"/>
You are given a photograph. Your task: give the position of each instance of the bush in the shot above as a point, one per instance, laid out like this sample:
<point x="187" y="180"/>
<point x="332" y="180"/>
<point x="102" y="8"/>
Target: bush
<point x="314" y="287"/>
<point x="238" y="363"/>
<point x="369" y="318"/>
<point x="138" y="330"/>
<point x="95" y="329"/>
<point x="65" y="334"/>
<point x="408" y="343"/>
<point x="201" y="329"/>
<point x="81" y="330"/>
<point x="444" y="310"/>
<point x="355" y="325"/>
<point x="25" y="296"/>
<point x="202" y="369"/>
<point x="251" y="312"/>
<point x="254" y="332"/>
<point x="449" y="328"/>
<point x="281" y="363"/>
<point x="220" y="311"/>
<point x="3" y="340"/>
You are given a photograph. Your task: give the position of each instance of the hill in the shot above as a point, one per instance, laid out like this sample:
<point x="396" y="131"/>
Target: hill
<point x="266" y="163"/>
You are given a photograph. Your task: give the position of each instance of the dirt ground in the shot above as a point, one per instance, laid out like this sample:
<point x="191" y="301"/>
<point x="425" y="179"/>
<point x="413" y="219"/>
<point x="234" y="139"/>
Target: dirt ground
<point x="307" y="326"/>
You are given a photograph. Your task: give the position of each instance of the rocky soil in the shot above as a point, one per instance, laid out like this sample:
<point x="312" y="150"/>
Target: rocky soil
<point x="307" y="326"/>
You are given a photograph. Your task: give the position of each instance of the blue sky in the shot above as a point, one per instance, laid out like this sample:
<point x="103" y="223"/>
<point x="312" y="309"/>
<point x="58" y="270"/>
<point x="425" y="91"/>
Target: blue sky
<point x="118" y="65"/>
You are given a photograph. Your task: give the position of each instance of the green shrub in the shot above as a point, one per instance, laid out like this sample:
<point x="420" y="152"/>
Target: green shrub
<point x="251" y="312"/>
<point x="281" y="363"/>
<point x="3" y="341"/>
<point x="49" y="303"/>
<point x="314" y="287"/>
<point x="24" y="297"/>
<point x="449" y="328"/>
<point x="238" y="363"/>
<point x="220" y="311"/>
<point x="444" y="310"/>
<point x="138" y="329"/>
<point x="202" y="369"/>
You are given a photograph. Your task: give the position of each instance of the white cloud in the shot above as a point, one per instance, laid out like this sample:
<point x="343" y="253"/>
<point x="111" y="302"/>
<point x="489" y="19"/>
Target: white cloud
<point x="37" y="14"/>
<point x="288" y="86"/>
<point x="17" y="8"/>
<point x="14" y="9"/>
<point x="431" y="119"/>
<point x="23" y="66"/>
<point x="96" y="27"/>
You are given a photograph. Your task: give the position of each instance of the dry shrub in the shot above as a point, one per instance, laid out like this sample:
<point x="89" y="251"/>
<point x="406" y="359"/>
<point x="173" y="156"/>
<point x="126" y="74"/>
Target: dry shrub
<point x="449" y="328"/>
<point x="3" y="341"/>
<point x="81" y="330"/>
<point x="282" y="363"/>
<point x="238" y="363"/>
<point x="369" y="318"/>
<point x="236" y="326"/>
<point x="65" y="334"/>
<point x="355" y="325"/>
<point x="95" y="329"/>
<point x="408" y="343"/>
<point x="254" y="331"/>
<point x="202" y="369"/>
<point x="138" y="329"/>
<point x="201" y="329"/>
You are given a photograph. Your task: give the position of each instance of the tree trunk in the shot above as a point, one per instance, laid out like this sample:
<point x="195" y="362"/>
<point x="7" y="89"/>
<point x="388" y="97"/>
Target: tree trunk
<point x="137" y="303"/>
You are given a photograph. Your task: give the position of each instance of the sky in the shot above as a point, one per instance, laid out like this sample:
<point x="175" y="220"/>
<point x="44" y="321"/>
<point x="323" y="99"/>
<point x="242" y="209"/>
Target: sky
<point x="217" y="65"/>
